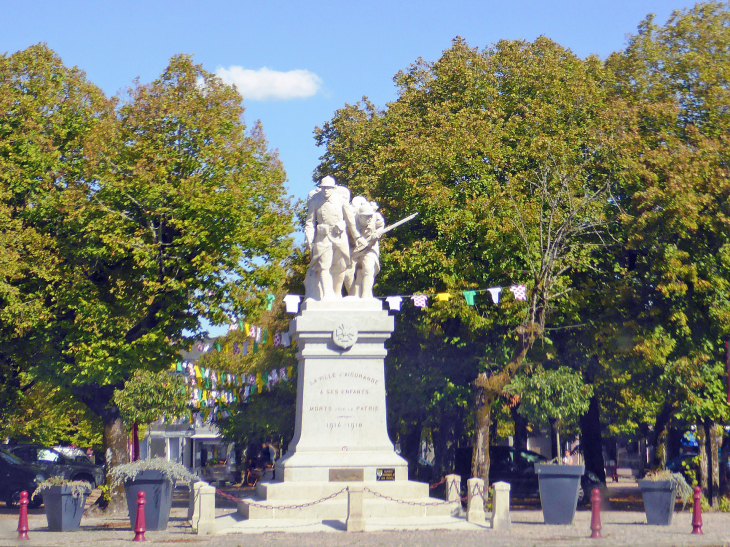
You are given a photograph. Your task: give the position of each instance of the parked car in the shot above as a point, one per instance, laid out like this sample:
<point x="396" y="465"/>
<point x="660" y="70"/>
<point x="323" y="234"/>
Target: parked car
<point x="54" y="463"/>
<point x="517" y="467"/>
<point x="16" y="476"/>
<point x="73" y="453"/>
<point x="677" y="465"/>
<point x="689" y="467"/>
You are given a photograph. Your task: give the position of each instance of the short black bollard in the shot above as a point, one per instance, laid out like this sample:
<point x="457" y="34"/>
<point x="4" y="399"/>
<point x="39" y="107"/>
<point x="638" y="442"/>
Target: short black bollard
<point x="697" y="513"/>
<point x="23" y="516"/>
<point x="140" y="528"/>
<point x="596" y="514"/>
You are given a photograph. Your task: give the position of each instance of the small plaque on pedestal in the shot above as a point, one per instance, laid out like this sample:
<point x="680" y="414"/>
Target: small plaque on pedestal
<point x="347" y="475"/>
<point x="387" y="474"/>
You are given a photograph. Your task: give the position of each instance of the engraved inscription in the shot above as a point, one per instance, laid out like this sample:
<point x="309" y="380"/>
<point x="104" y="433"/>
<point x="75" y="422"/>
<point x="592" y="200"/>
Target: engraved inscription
<point x="347" y="375"/>
<point x="347" y="475"/>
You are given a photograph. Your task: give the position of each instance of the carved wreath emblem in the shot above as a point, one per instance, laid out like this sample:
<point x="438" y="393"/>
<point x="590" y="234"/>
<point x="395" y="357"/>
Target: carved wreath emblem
<point x="345" y="336"/>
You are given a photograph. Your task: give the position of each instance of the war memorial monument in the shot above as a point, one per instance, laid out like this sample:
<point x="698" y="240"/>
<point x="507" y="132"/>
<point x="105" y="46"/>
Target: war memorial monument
<point x="341" y="437"/>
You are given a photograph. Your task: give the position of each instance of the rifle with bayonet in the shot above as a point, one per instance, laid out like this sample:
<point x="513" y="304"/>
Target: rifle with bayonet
<point x="382" y="231"/>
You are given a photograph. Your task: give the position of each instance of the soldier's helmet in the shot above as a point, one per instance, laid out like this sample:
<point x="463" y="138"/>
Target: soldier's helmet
<point x="365" y="210"/>
<point x="327" y="182"/>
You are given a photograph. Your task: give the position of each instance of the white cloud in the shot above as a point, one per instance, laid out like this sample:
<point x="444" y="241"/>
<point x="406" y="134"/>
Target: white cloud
<point x="264" y="83"/>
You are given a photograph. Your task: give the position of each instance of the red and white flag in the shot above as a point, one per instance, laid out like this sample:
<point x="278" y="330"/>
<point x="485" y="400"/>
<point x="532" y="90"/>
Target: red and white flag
<point x="520" y="292"/>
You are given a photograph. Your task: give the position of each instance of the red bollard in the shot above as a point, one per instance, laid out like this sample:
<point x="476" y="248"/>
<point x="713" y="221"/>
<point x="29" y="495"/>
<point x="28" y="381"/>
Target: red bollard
<point x="23" y="517"/>
<point x="697" y="513"/>
<point x="596" y="514"/>
<point x="140" y="528"/>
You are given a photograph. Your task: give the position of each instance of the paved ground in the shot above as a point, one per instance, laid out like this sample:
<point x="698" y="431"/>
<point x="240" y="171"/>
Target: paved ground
<point x="620" y="527"/>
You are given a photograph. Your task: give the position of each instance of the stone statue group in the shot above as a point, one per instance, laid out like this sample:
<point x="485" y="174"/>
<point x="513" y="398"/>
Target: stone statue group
<point x="343" y="237"/>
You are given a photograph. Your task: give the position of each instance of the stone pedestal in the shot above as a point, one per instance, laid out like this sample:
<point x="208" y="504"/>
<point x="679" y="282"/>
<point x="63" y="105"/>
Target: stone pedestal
<point x="475" y="501"/>
<point x="204" y="521"/>
<point x="500" y="507"/>
<point x="340" y="436"/>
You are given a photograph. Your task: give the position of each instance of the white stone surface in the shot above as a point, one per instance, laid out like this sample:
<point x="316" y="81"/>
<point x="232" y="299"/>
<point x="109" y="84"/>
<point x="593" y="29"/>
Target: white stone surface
<point x="500" y="507"/>
<point x="233" y="524"/>
<point x="193" y="505"/>
<point x="340" y="418"/>
<point x="475" y="500"/>
<point x="355" y="516"/>
<point x="341" y="438"/>
<point x="453" y="494"/>
<point x="453" y="487"/>
<point x="205" y="522"/>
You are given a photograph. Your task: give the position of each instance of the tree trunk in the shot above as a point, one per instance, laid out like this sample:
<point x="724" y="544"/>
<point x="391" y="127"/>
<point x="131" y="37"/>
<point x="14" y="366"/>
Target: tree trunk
<point x="715" y="436"/>
<point x="135" y="442"/>
<point x="488" y="388"/>
<point x="115" y="442"/>
<point x="659" y="436"/>
<point x="555" y="439"/>
<point x="520" y="438"/>
<point x="480" y="453"/>
<point x="724" y="453"/>
<point x="99" y="400"/>
<point x="591" y="441"/>
<point x="493" y="429"/>
<point x="702" y="442"/>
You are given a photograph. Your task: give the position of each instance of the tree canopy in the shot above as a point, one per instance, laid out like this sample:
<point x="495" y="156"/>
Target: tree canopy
<point x="511" y="156"/>
<point x="148" y="396"/>
<point x="126" y="222"/>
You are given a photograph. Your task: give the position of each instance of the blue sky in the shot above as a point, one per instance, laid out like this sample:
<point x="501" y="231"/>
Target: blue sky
<point x="319" y="55"/>
<point x="297" y="62"/>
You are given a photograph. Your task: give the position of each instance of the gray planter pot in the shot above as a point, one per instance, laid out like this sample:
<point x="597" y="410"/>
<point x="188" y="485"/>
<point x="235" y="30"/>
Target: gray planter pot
<point x="659" y="498"/>
<point x="63" y="511"/>
<point x="559" y="491"/>
<point x="158" y="499"/>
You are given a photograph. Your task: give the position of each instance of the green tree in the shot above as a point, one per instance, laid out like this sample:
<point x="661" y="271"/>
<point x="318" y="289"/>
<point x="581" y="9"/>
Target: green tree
<point x="47" y="414"/>
<point x="555" y="397"/>
<point x="51" y="118"/>
<point x="148" y="396"/>
<point x="155" y="214"/>
<point x="511" y="156"/>
<point x="676" y="222"/>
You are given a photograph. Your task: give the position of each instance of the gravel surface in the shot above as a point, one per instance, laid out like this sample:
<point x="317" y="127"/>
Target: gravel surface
<point x="619" y="528"/>
<point x="622" y="526"/>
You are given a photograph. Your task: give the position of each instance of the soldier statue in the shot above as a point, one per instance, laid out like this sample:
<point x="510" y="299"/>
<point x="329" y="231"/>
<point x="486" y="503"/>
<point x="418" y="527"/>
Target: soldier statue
<point x="343" y="239"/>
<point x="365" y="256"/>
<point x="329" y="220"/>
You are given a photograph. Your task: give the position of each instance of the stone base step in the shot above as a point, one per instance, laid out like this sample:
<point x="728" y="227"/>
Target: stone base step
<point x="273" y="491"/>
<point x="232" y="524"/>
<point x="336" y="508"/>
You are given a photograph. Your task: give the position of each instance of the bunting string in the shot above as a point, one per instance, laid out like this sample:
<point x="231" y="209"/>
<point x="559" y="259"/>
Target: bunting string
<point x="212" y="391"/>
<point x="421" y="300"/>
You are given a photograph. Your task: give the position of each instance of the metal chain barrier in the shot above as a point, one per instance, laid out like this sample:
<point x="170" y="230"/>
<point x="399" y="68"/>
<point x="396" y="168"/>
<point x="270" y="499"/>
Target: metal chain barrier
<point x="264" y="506"/>
<point x="406" y="502"/>
<point x="449" y="487"/>
<point x="480" y="492"/>
<point x="437" y="484"/>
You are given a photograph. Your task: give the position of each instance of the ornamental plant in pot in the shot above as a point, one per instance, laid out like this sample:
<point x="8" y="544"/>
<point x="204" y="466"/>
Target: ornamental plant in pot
<point x="556" y="398"/>
<point x="156" y="478"/>
<point x="660" y="490"/>
<point x="64" y="501"/>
